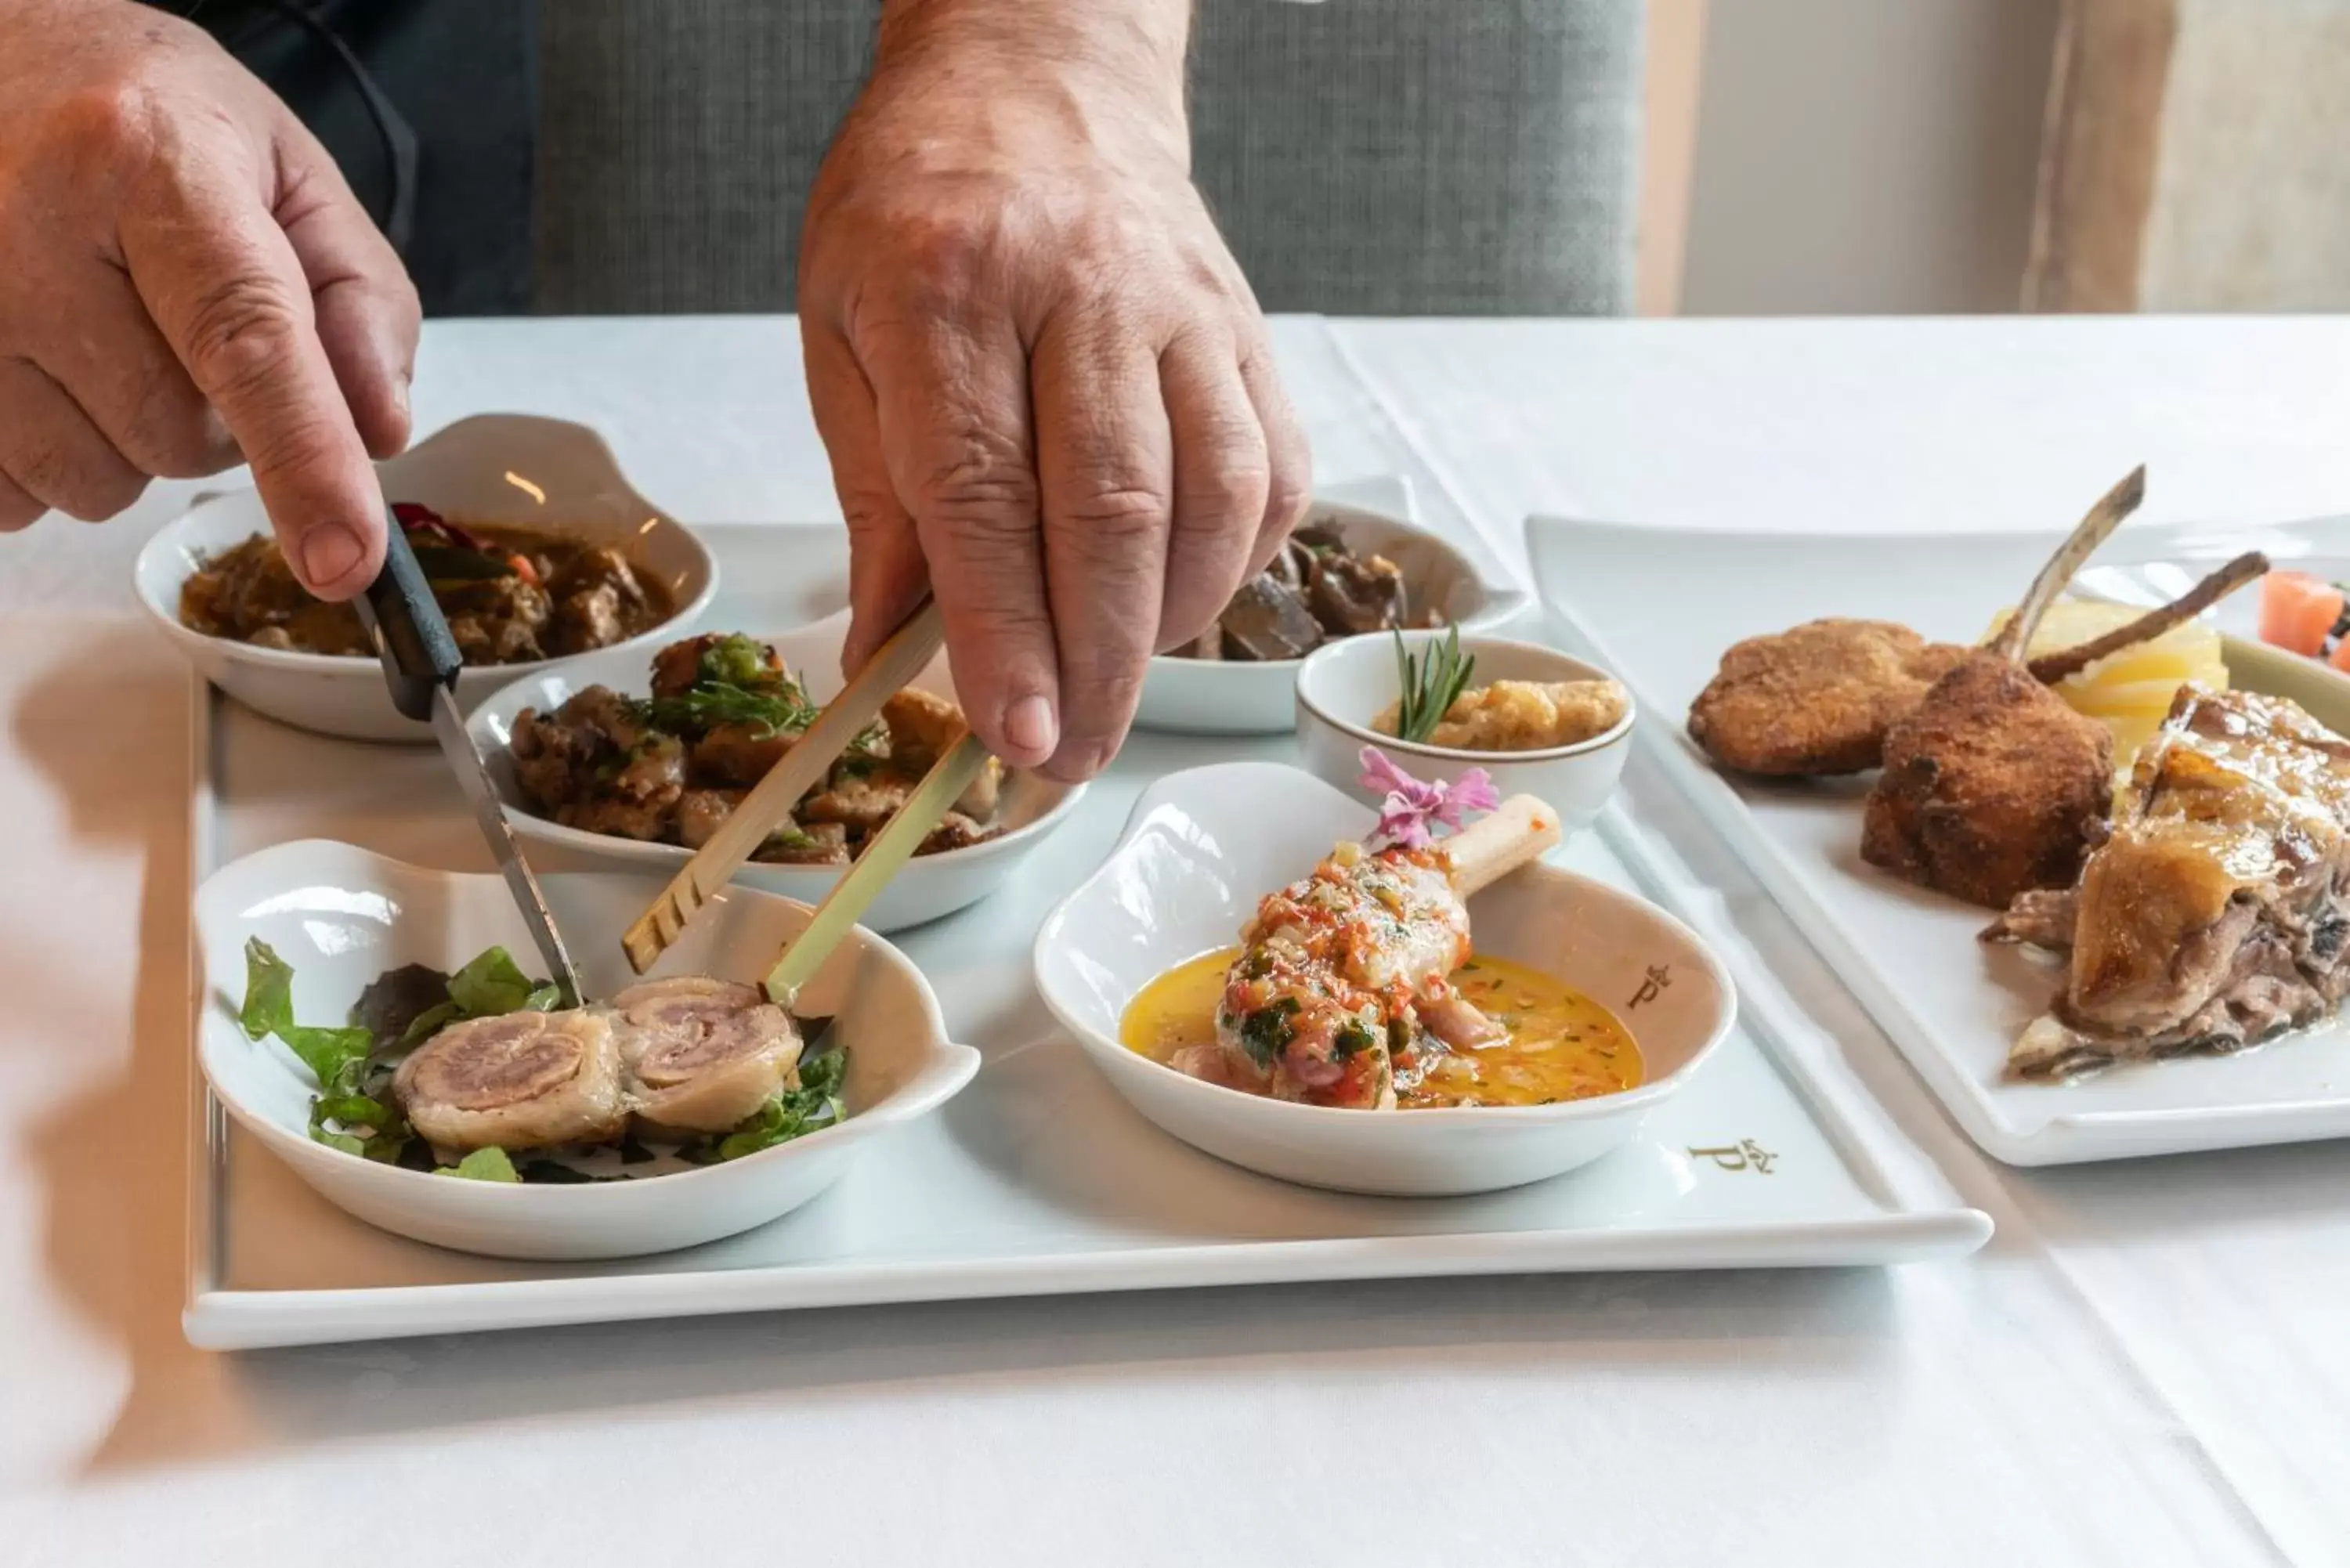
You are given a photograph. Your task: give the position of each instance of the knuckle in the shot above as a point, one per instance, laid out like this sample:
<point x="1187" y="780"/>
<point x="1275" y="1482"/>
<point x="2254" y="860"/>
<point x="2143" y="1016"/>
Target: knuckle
<point x="1289" y="492"/>
<point x="1232" y="486"/>
<point x="944" y="257"/>
<point x="175" y="435"/>
<point x="1112" y="517"/>
<point x="980" y="480"/>
<point x="107" y="121"/>
<point x="241" y="331"/>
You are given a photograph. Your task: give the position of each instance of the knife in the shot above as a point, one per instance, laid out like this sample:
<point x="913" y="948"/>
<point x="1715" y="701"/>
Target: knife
<point x="421" y="663"/>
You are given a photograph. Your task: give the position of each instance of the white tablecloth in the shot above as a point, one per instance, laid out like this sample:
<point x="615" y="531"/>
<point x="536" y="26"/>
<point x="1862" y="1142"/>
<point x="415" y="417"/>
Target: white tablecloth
<point x="2148" y="1365"/>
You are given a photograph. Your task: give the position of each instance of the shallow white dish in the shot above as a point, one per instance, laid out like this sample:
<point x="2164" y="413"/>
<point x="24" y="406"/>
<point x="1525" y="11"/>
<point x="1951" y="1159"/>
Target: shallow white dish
<point x="1341" y="686"/>
<point x="1910" y="957"/>
<point x="341" y="917"/>
<point x="1230" y="696"/>
<point x="929" y="886"/>
<point x="1204" y="845"/>
<point x="513" y="470"/>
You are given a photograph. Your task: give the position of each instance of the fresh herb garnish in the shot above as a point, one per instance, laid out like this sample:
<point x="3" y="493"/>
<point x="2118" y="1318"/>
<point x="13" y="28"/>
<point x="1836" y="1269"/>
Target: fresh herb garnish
<point x="1354" y="1036"/>
<point x="780" y="709"/>
<point x="793" y="1113"/>
<point x="1265" y="1033"/>
<point x="1429" y="683"/>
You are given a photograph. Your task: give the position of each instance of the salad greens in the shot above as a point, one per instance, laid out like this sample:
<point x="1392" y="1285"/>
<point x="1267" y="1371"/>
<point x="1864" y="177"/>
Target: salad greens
<point x="794" y="1112"/>
<point x="482" y="1165"/>
<point x="354" y="1111"/>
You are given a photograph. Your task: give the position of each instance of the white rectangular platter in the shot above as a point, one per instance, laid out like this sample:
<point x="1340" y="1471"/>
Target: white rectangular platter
<point x="1658" y="607"/>
<point x="1038" y="1178"/>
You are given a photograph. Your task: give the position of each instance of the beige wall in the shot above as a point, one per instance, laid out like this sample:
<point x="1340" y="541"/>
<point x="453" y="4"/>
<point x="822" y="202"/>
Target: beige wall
<point x="1860" y="156"/>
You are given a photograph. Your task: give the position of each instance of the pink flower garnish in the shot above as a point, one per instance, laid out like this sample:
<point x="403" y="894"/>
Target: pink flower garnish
<point x="1410" y="804"/>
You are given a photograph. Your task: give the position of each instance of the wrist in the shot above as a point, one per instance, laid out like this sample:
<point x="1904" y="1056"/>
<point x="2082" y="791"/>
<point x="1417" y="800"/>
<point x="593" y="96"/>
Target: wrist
<point x="1128" y="55"/>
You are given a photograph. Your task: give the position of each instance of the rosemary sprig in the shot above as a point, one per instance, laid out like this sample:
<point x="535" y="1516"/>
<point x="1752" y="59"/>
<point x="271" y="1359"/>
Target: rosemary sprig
<point x="1430" y="684"/>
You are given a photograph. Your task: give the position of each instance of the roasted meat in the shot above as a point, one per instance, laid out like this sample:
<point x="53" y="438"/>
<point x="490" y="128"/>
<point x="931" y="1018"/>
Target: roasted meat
<point x="525" y="1080"/>
<point x="699" y="1055"/>
<point x="1344" y="974"/>
<point x="2216" y="913"/>
<point x="1817" y="699"/>
<point x="1991" y="785"/>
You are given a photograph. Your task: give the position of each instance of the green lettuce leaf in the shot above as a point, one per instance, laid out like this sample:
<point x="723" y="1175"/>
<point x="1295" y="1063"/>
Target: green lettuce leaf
<point x="333" y="1056"/>
<point x="794" y="1113"/>
<point x="481" y="1165"/>
<point x="491" y="986"/>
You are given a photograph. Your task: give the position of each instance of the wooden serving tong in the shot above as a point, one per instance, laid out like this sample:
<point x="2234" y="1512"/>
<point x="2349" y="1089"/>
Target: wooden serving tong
<point x="895" y="663"/>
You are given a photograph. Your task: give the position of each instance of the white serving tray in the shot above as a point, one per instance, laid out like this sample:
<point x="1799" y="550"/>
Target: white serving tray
<point x="1658" y="606"/>
<point x="1037" y="1179"/>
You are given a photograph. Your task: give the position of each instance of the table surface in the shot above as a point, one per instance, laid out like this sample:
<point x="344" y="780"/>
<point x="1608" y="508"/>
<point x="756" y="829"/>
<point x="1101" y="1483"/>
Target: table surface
<point x="2147" y="1365"/>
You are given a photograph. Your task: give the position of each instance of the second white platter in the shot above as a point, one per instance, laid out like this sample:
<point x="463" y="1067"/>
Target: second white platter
<point x="1659" y="604"/>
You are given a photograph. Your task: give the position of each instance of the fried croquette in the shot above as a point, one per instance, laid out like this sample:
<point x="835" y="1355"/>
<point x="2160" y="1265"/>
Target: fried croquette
<point x="1817" y="699"/>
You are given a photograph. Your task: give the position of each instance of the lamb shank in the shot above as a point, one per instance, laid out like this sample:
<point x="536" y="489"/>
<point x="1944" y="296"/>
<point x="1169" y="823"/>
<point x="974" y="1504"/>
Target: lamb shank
<point x="1343" y="981"/>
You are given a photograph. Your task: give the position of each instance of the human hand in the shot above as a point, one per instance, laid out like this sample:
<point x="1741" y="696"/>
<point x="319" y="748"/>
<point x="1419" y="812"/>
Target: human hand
<point x="1045" y="386"/>
<point x="185" y="283"/>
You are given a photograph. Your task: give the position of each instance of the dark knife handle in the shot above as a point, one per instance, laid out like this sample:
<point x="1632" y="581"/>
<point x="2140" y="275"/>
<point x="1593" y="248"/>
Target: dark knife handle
<point x="412" y="636"/>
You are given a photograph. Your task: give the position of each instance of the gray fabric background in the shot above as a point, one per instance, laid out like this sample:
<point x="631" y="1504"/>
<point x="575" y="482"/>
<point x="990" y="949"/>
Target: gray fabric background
<point x="1363" y="156"/>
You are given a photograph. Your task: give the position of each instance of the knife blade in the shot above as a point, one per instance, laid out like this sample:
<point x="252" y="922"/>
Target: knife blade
<point x="421" y="663"/>
<point x="885" y="854"/>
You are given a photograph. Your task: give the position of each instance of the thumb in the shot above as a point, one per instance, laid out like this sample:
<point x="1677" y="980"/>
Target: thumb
<point x="886" y="576"/>
<point x="366" y="307"/>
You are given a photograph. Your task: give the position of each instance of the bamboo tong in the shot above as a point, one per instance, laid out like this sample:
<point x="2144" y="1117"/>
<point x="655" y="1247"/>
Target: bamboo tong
<point x="909" y="649"/>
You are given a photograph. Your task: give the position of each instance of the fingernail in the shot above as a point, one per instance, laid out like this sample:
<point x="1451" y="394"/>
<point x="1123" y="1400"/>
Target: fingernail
<point x="1029" y="726"/>
<point x="329" y="551"/>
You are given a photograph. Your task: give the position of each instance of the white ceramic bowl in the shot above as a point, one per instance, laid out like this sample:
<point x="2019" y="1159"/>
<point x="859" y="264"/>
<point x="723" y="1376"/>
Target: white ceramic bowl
<point x="340" y="917"/>
<point x="516" y="469"/>
<point x="1232" y="696"/>
<point x="1199" y="850"/>
<point x="1342" y="686"/>
<point x="930" y="886"/>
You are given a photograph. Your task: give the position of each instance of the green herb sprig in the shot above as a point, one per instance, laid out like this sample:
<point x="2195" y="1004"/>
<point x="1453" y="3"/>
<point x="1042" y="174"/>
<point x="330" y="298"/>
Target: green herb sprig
<point x="1430" y="684"/>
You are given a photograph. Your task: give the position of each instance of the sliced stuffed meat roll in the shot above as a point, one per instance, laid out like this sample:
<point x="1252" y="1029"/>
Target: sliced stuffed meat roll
<point x="700" y="1054"/>
<point x="525" y="1080"/>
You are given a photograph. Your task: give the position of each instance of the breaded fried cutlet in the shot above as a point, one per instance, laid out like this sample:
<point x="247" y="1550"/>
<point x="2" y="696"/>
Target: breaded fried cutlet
<point x="1817" y="699"/>
<point x="1992" y="787"/>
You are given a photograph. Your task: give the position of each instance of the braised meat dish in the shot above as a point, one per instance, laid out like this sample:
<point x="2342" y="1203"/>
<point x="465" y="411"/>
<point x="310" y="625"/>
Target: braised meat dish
<point x="1317" y="589"/>
<point x="513" y="595"/>
<point x="2216" y="911"/>
<point x="669" y="768"/>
